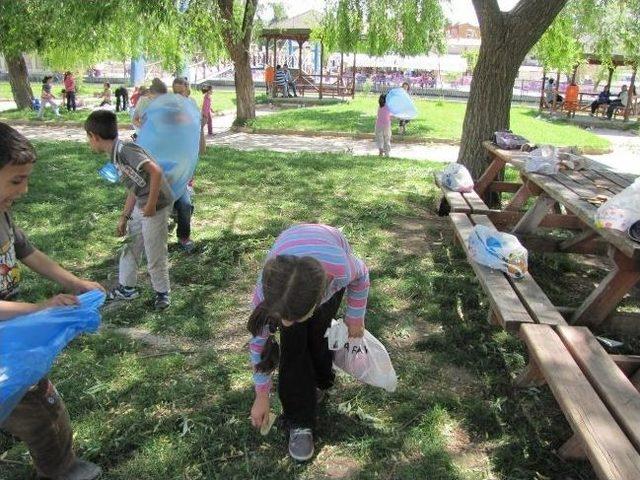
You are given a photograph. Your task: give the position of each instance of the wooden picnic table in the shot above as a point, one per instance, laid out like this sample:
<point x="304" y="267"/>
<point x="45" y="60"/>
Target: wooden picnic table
<point x="570" y="189"/>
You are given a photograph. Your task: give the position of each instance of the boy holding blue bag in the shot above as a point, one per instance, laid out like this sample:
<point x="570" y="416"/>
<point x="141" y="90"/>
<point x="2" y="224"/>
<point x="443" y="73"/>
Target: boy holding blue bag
<point x="40" y="419"/>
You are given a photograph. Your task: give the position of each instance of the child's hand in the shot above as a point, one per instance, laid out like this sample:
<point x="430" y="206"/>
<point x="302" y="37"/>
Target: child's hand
<point x="149" y="210"/>
<point x="82" y="286"/>
<point x="121" y="230"/>
<point x="61" y="300"/>
<point x="260" y="410"/>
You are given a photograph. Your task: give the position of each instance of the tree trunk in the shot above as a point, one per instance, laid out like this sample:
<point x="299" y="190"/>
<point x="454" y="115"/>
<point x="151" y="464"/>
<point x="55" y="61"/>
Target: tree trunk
<point x="19" y="80"/>
<point x="245" y="95"/>
<point x="489" y="103"/>
<point x="506" y="39"/>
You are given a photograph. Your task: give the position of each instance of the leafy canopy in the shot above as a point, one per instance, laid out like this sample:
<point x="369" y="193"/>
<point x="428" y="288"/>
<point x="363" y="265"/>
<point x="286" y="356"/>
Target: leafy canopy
<point x="377" y="27"/>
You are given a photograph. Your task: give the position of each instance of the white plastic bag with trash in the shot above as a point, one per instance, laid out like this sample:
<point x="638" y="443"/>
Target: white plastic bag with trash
<point x="364" y="358"/>
<point x="543" y="160"/>
<point x="620" y="211"/>
<point x="498" y="250"/>
<point x="456" y="177"/>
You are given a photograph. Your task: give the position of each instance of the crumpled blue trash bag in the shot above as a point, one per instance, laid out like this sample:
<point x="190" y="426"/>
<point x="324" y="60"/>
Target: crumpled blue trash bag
<point x="400" y="104"/>
<point x="170" y="132"/>
<point x="30" y="343"/>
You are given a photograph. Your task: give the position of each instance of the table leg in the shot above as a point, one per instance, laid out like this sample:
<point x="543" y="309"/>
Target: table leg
<point x="604" y="299"/>
<point x="528" y="189"/>
<point x="489" y="175"/>
<point x="534" y="215"/>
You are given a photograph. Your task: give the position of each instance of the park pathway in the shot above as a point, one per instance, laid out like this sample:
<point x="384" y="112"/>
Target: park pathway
<point x="624" y="157"/>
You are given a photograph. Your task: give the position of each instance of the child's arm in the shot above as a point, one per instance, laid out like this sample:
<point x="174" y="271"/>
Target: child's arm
<point x="129" y="203"/>
<point x="9" y="310"/>
<point x="40" y="263"/>
<point x="155" y="177"/>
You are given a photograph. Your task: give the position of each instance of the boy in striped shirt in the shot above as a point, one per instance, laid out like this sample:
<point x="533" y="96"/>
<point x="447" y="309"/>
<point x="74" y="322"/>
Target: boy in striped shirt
<point x="308" y="270"/>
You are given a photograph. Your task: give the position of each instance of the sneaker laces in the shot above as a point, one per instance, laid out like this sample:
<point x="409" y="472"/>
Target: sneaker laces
<point x="301" y="431"/>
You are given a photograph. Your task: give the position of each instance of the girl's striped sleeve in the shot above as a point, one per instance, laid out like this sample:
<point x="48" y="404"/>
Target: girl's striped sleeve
<point x="357" y="293"/>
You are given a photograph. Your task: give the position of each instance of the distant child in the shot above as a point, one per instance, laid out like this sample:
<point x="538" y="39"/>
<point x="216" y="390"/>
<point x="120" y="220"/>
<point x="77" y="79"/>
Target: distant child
<point x="183" y="207"/>
<point x="40" y="419"/>
<point x="156" y="89"/>
<point x="207" y="111"/>
<point x="146" y="210"/>
<point x="46" y="97"/>
<point x="403" y="123"/>
<point x="70" y="91"/>
<point x="122" y="99"/>
<point x="383" y="127"/>
<point x="106" y="94"/>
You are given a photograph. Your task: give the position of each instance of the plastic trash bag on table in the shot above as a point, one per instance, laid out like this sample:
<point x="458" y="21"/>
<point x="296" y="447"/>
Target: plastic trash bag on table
<point x="30" y="343"/>
<point x="170" y="132"/>
<point x="543" y="160"/>
<point x="498" y="250"/>
<point x="367" y="360"/>
<point x="456" y="177"/>
<point x="621" y="210"/>
<point x="400" y="104"/>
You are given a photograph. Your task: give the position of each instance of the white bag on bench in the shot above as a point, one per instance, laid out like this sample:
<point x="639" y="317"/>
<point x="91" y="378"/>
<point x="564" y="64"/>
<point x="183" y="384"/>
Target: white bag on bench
<point x="499" y="250"/>
<point x="457" y="178"/>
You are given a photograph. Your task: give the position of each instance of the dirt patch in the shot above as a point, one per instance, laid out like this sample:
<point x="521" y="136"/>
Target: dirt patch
<point x="332" y="465"/>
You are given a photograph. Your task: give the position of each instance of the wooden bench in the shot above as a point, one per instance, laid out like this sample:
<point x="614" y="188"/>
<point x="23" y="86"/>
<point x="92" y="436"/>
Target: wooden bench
<point x="513" y="302"/>
<point x="600" y="403"/>
<point x="464" y="202"/>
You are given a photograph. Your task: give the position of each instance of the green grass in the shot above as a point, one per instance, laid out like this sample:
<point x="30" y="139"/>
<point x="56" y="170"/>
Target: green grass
<point x="436" y="119"/>
<point x="455" y="415"/>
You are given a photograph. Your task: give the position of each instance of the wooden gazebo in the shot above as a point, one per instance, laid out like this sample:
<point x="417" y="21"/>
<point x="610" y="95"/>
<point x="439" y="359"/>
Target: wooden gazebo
<point x="299" y="28"/>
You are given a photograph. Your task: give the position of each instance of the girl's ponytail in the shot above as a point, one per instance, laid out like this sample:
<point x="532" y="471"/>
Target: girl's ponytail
<point x="259" y="320"/>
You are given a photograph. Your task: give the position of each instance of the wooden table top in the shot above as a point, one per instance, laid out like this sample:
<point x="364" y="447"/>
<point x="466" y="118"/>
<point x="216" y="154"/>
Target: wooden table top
<point x="572" y="188"/>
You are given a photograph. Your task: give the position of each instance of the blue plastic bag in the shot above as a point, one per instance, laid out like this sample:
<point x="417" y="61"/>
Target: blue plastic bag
<point x="170" y="132"/>
<point x="400" y="104"/>
<point x="109" y="172"/>
<point x="30" y="343"/>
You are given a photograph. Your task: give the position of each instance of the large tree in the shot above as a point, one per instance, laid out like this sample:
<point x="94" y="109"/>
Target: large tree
<point x="507" y="37"/>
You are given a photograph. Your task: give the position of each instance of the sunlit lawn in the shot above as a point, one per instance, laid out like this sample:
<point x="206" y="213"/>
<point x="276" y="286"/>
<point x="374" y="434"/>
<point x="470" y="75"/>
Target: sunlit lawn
<point x="436" y="119"/>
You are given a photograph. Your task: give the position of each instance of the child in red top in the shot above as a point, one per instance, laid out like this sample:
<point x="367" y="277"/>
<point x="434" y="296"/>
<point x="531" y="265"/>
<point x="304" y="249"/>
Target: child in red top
<point x="206" y="109"/>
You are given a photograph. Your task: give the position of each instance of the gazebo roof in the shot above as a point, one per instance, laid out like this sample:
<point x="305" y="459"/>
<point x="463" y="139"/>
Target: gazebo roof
<point x="294" y="27"/>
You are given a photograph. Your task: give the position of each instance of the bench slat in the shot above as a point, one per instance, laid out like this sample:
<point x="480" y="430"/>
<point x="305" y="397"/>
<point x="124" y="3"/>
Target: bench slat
<point x="609" y="381"/>
<point x="534" y="299"/>
<point x="610" y="452"/>
<point x="504" y="301"/>
<point x="475" y="202"/>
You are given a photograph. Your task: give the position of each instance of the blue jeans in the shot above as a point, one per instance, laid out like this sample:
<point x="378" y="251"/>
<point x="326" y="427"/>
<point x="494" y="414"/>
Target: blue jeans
<point x="184" y="210"/>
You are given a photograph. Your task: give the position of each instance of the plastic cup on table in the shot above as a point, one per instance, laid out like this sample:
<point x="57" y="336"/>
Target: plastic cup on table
<point x="109" y="172"/>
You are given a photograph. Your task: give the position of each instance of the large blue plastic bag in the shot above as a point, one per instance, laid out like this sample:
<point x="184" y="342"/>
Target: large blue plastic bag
<point x="170" y="132"/>
<point x="30" y="343"/>
<point x="498" y="250"/>
<point x="400" y="104"/>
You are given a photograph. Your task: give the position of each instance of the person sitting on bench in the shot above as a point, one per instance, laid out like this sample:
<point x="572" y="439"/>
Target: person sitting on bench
<point x="603" y="99"/>
<point x="281" y="82"/>
<point x="621" y="101"/>
<point x="291" y="83"/>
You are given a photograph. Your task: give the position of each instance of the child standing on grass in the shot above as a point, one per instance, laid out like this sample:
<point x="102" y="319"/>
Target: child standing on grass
<point x="106" y="94"/>
<point x="207" y="111"/>
<point x="40" y="419"/>
<point x="146" y="210"/>
<point x="383" y="127"/>
<point x="308" y="270"/>
<point x="46" y="97"/>
<point x="70" y="91"/>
